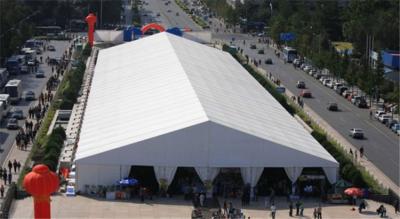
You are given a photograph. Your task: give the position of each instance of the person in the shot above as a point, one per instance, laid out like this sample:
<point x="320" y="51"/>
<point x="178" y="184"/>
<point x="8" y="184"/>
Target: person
<point x="361" y="152"/>
<point x="225" y="208"/>
<point x="5" y="177"/>
<point x="301" y="209"/>
<point x="15" y="165"/>
<point x="9" y="178"/>
<point x="202" y="198"/>
<point x="370" y="114"/>
<point x="381" y="211"/>
<point x="291" y="209"/>
<point x="396" y="206"/>
<point x="297" y="207"/>
<point x="361" y="206"/>
<point x="10" y="165"/>
<point x="2" y="191"/>
<point x="273" y="210"/>
<point x="351" y="153"/>
<point x="319" y="212"/>
<point x="315" y="214"/>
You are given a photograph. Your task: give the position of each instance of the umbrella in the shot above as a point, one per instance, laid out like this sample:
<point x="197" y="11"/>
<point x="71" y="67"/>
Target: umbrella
<point x="128" y="182"/>
<point x="353" y="191"/>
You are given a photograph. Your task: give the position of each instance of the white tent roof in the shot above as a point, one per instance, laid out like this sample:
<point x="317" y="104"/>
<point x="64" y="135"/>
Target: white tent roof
<point x="165" y="100"/>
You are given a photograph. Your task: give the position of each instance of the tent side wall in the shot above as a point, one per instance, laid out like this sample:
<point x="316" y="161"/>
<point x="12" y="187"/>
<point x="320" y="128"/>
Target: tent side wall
<point x="99" y="175"/>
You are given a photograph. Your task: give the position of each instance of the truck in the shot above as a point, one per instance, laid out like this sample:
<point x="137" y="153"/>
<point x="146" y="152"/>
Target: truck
<point x="14" y="89"/>
<point x="13" y="66"/>
<point x="289" y="54"/>
<point x="5" y="104"/>
<point x="3" y="77"/>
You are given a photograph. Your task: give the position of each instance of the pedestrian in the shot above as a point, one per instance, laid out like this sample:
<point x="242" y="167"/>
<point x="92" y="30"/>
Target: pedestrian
<point x="5" y="177"/>
<point x="361" y="152"/>
<point x="297" y="207"/>
<point x="370" y="114"/>
<point x="273" y="210"/>
<point x="225" y="208"/>
<point x="18" y="166"/>
<point x="315" y="214"/>
<point x="351" y="153"/>
<point x="202" y="199"/>
<point x="9" y="178"/>
<point x="319" y="212"/>
<point x="301" y="209"/>
<point x="2" y="191"/>
<point x="361" y="206"/>
<point x="10" y="165"/>
<point x="291" y="209"/>
<point x="15" y="166"/>
<point x="355" y="156"/>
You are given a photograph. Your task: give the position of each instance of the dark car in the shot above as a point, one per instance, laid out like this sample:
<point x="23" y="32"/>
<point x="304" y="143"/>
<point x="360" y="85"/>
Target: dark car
<point x="340" y="90"/>
<point x="361" y="103"/>
<point x="333" y="107"/>
<point x="16" y="113"/>
<point x="268" y="61"/>
<point x="301" y="85"/>
<point x="30" y="95"/>
<point x="51" y="48"/>
<point x="12" y="124"/>
<point x="40" y="74"/>
<point x="261" y="51"/>
<point x="253" y="46"/>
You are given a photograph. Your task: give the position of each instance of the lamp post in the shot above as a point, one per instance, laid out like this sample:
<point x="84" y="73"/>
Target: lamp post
<point x="40" y="183"/>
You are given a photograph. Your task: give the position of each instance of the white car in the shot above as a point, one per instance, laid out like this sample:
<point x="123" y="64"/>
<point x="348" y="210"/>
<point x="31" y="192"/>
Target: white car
<point x="379" y="113"/>
<point x="330" y="83"/>
<point x="356" y="133"/>
<point x="384" y="118"/>
<point x="326" y="81"/>
<point x="307" y="68"/>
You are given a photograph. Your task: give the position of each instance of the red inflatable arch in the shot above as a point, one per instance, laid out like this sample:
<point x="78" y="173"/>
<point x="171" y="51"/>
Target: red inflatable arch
<point x="152" y="26"/>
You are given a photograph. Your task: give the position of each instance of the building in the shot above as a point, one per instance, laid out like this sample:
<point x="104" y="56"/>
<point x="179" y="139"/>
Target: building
<point x="390" y="61"/>
<point x="167" y="102"/>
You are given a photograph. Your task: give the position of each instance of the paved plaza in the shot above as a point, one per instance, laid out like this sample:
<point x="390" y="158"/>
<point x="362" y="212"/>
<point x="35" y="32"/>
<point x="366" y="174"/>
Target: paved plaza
<point x="85" y="207"/>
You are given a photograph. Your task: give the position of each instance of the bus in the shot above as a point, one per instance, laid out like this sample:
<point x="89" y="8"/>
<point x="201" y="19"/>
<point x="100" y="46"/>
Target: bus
<point x="289" y="54"/>
<point x="5" y="104"/>
<point x="14" y="89"/>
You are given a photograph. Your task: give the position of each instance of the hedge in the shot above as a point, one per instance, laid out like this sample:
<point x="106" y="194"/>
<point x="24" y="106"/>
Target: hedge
<point x="348" y="171"/>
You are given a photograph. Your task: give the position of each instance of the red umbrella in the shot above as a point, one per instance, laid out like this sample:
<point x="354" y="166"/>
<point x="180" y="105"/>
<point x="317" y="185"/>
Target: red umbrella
<point x="353" y="191"/>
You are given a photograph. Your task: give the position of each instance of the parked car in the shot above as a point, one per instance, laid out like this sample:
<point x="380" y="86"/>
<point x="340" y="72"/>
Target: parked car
<point x="306" y="94"/>
<point x="337" y="85"/>
<point x="307" y="68"/>
<point x="357" y="133"/>
<point x="391" y="123"/>
<point x="322" y="78"/>
<point x="341" y="89"/>
<point x="29" y="95"/>
<point x="40" y="74"/>
<point x="313" y="72"/>
<point x="396" y="127"/>
<point x="253" y="46"/>
<point x="268" y="61"/>
<point x="261" y="51"/>
<point x="301" y="85"/>
<point x="317" y="75"/>
<point x="16" y="113"/>
<point x="326" y="81"/>
<point x="329" y="84"/>
<point x="333" y="107"/>
<point x="355" y="98"/>
<point x="361" y="103"/>
<point x="12" y="124"/>
<point x="379" y="113"/>
<point x="384" y="118"/>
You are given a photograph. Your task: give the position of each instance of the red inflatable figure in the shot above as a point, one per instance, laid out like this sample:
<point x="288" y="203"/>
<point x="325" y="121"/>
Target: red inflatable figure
<point x="91" y="20"/>
<point x="40" y="183"/>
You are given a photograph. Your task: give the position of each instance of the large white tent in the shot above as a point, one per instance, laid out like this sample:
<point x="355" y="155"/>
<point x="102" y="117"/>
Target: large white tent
<point x="169" y="102"/>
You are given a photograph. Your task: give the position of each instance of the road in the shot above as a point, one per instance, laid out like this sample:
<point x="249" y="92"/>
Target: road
<point x="381" y="145"/>
<point x="168" y="16"/>
<point x="29" y="82"/>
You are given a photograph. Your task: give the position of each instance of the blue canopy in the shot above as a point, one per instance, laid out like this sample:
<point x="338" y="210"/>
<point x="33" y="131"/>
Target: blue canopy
<point x="128" y="182"/>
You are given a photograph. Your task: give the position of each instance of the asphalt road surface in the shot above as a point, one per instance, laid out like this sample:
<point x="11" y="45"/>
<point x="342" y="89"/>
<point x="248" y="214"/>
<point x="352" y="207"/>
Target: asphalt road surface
<point x="29" y="82"/>
<point x="381" y="146"/>
<point x="170" y="15"/>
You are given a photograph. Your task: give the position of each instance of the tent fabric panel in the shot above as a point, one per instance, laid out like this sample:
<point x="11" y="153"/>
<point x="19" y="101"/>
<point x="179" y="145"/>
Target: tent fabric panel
<point x="331" y="173"/>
